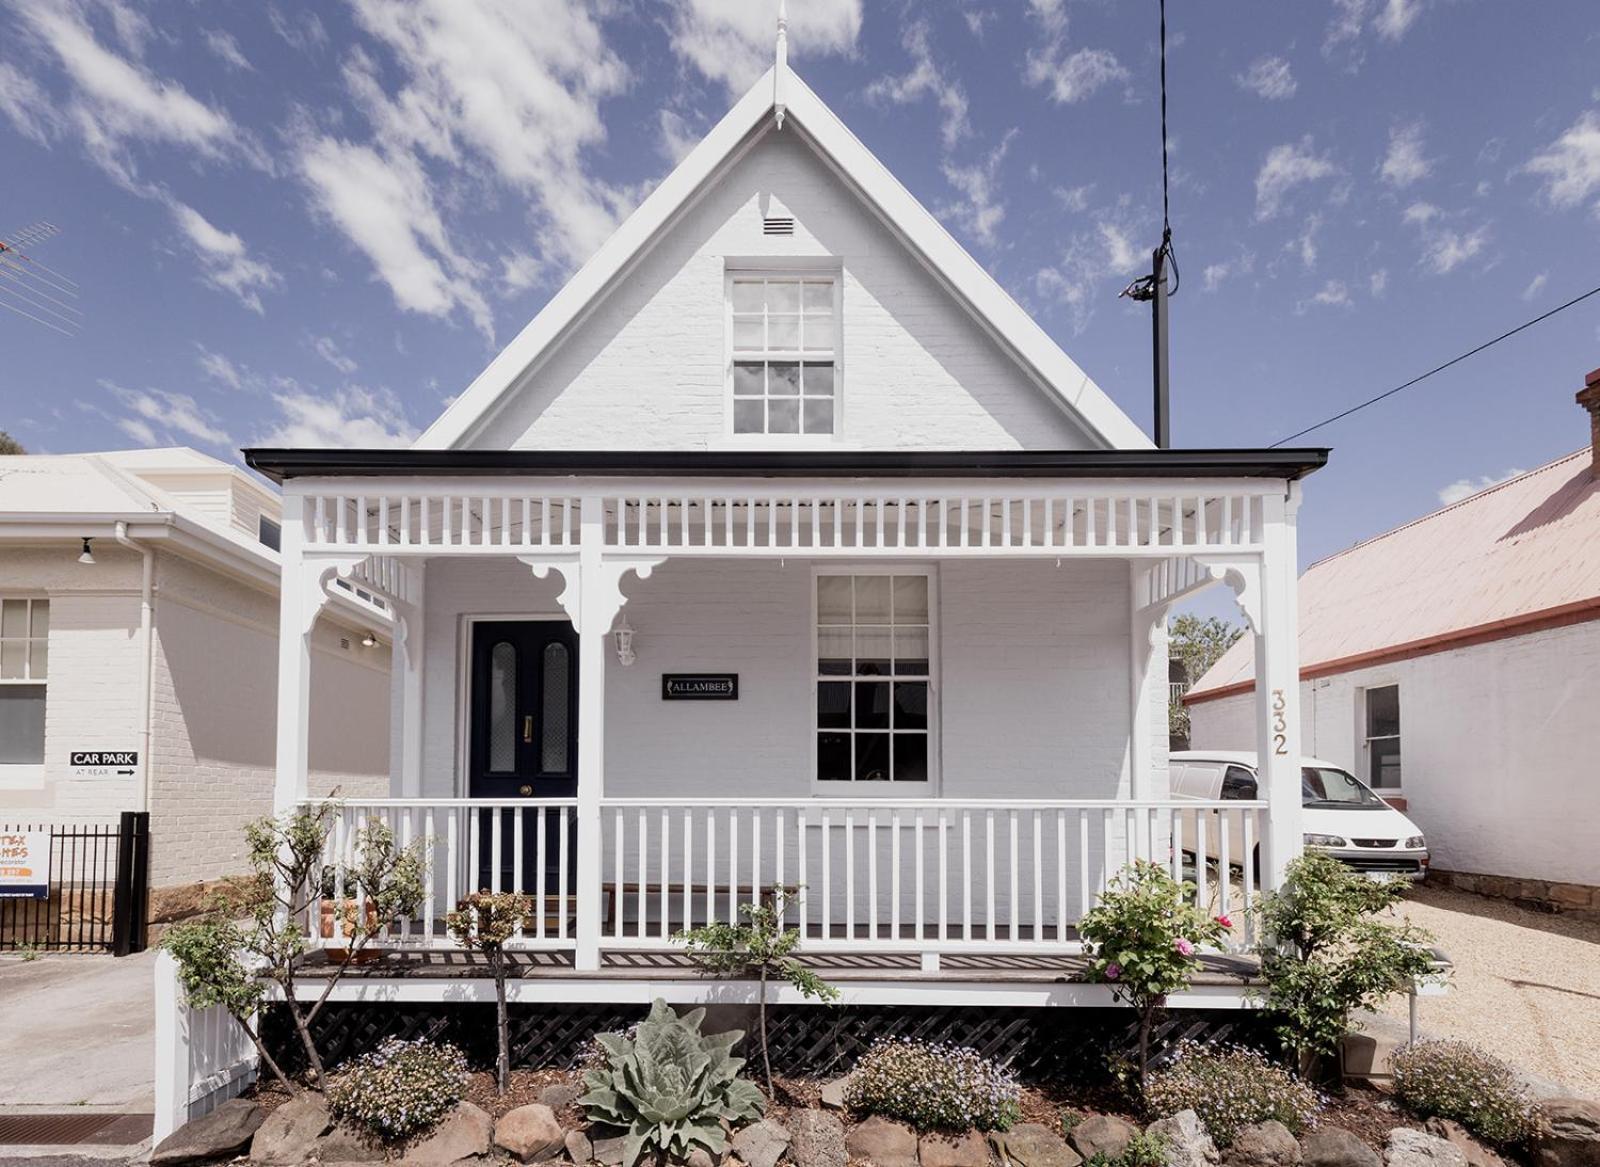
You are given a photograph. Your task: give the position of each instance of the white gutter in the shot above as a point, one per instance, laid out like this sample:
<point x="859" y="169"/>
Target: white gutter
<point x="147" y="656"/>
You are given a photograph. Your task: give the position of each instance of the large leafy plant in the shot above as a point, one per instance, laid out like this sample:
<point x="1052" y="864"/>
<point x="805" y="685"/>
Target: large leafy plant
<point x="670" y="1088"/>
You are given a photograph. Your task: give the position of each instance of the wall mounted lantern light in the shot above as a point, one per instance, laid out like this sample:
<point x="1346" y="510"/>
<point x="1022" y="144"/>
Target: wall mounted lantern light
<point x="88" y="556"/>
<point x="368" y="640"/>
<point x="624" y="639"/>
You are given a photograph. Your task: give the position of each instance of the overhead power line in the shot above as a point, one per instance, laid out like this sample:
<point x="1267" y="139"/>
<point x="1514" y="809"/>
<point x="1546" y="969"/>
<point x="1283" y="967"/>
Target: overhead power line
<point x="1437" y="369"/>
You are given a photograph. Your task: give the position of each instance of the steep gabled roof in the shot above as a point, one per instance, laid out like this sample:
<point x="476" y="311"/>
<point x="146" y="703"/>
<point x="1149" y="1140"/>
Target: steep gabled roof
<point x="751" y="118"/>
<point x="1518" y="556"/>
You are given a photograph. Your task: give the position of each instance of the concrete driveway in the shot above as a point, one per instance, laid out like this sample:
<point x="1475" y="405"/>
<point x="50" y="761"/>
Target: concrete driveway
<point x="77" y="1031"/>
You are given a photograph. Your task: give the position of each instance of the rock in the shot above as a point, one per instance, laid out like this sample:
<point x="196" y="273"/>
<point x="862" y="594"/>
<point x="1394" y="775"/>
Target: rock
<point x="531" y="1133"/>
<point x="700" y="1157"/>
<point x="1102" y="1134"/>
<point x="1478" y="1154"/>
<point x="607" y="1150"/>
<point x="833" y="1094"/>
<point x="1333" y="1146"/>
<point x="218" y="1135"/>
<point x="561" y="1095"/>
<point x="1409" y="1148"/>
<point x="1031" y="1144"/>
<point x="1264" y="1144"/>
<point x="883" y="1142"/>
<point x="1571" y="1134"/>
<point x="464" y="1133"/>
<point x="1188" y="1144"/>
<point x="289" y="1133"/>
<point x="941" y="1150"/>
<point x="345" y="1144"/>
<point x="761" y="1144"/>
<point x="816" y="1139"/>
<point x="579" y="1149"/>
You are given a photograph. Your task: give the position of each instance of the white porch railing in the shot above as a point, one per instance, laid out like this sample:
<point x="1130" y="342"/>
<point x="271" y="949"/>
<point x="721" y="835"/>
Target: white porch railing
<point x="925" y="876"/>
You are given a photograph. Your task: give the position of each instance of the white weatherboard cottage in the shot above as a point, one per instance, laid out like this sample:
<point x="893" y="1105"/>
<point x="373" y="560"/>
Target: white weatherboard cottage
<point x="783" y="548"/>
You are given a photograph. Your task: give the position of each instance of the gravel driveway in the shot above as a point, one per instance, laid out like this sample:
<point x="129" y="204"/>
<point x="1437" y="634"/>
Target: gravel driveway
<point x="1526" y="985"/>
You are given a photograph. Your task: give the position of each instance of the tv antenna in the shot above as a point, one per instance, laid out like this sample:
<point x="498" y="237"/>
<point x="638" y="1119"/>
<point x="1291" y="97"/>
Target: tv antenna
<point x="35" y="290"/>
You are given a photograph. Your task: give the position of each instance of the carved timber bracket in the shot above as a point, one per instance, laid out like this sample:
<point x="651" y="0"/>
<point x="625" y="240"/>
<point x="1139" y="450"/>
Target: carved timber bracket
<point x="592" y="603"/>
<point x="314" y="584"/>
<point x="1242" y="574"/>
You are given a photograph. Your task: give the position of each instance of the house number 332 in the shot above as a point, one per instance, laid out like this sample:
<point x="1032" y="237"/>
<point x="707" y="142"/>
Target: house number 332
<point x="1280" y="724"/>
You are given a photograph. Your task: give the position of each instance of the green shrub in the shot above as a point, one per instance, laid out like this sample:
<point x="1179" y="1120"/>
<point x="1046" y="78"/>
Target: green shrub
<point x="670" y="1087"/>
<point x="934" y="1087"/>
<point x="1454" y="1079"/>
<point x="1145" y="1149"/>
<point x="401" y="1088"/>
<point x="1229" y="1088"/>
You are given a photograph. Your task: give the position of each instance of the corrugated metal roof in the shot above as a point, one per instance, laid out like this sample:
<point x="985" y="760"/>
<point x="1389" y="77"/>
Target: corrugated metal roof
<point x="1517" y="549"/>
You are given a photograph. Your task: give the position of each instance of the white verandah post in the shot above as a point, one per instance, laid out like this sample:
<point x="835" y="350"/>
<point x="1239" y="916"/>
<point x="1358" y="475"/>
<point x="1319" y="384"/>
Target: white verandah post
<point x="294" y="659"/>
<point x="1278" y="687"/>
<point x="410" y="646"/>
<point x="595" y="610"/>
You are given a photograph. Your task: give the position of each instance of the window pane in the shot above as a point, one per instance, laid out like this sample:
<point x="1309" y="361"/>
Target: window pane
<point x="749" y="417"/>
<point x="13" y="618"/>
<point x="41" y="618"/>
<point x="747" y="295"/>
<point x="783" y="379"/>
<point x="13" y="659"/>
<point x="819" y="332"/>
<point x="833" y="705"/>
<point x="783" y="417"/>
<point x="747" y="334"/>
<point x="911" y="651"/>
<point x="783" y="332"/>
<point x="39" y="664"/>
<point x="911" y="705"/>
<point x="872" y="757"/>
<point x="748" y="378"/>
<point x="1385" y="759"/>
<point x="910" y="599"/>
<point x="818" y="417"/>
<point x="21" y="725"/>
<point x="819" y="296"/>
<point x="503" y="707"/>
<point x="833" y="651"/>
<point x="833" y="599"/>
<point x="1383" y="711"/>
<point x="872" y="599"/>
<point x="833" y="757"/>
<point x="557" y="683"/>
<point x="783" y="296"/>
<point x="819" y="379"/>
<point x="910" y="757"/>
<point x="872" y="706"/>
<point x="872" y="652"/>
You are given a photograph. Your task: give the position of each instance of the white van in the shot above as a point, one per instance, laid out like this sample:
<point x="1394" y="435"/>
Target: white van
<point x="1341" y="815"/>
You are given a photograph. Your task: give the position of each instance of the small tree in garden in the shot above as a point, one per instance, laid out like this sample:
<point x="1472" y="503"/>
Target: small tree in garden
<point x="485" y="921"/>
<point x="1144" y="934"/>
<point x="759" y="947"/>
<point x="1326" y="954"/>
<point x="218" y="958"/>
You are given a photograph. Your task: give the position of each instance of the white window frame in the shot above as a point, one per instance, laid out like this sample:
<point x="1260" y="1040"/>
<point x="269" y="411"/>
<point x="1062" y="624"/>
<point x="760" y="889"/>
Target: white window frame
<point x="27" y="775"/>
<point x="809" y="269"/>
<point x="885" y="789"/>
<point x="1364" y="723"/>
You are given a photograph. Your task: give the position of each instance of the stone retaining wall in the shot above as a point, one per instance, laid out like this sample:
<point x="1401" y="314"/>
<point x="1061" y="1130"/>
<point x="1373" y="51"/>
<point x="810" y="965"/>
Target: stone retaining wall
<point x="1540" y="895"/>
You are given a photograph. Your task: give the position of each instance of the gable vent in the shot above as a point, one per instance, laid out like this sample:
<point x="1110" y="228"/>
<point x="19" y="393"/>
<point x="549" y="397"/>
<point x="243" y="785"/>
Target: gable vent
<point x="777" y="225"/>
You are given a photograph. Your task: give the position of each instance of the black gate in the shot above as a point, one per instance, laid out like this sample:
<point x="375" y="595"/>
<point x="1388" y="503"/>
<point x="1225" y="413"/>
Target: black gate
<point x="98" y="883"/>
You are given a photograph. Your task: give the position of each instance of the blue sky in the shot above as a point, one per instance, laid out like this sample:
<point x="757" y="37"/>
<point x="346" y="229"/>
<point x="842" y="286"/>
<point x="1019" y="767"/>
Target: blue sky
<point x="313" y="224"/>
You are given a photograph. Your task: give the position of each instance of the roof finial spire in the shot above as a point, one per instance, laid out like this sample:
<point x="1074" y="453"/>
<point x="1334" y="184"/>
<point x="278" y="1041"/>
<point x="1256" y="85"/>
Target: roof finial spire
<point x="782" y="65"/>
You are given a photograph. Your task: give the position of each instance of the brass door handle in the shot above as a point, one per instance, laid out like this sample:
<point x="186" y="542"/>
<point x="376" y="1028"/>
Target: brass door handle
<point x="525" y="791"/>
<point x="527" y="730"/>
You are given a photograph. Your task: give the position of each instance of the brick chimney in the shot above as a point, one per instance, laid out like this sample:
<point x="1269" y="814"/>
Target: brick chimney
<point x="1589" y="398"/>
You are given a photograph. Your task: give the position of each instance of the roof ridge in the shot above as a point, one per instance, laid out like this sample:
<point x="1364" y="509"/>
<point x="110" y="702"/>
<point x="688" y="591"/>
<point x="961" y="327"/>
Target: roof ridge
<point x="1433" y="514"/>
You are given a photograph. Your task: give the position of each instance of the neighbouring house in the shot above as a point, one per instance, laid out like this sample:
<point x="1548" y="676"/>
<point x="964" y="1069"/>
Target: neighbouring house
<point x="784" y="549"/>
<point x="138" y="661"/>
<point x="1453" y="663"/>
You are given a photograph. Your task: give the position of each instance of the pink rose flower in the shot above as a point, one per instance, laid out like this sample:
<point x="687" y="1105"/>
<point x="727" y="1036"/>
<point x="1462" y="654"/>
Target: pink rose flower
<point x="1113" y="971"/>
<point x="1225" y="921"/>
<point x="1184" y="947"/>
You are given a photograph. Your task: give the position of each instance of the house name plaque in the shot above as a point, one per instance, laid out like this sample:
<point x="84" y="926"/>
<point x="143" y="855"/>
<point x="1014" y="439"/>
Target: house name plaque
<point x="699" y="686"/>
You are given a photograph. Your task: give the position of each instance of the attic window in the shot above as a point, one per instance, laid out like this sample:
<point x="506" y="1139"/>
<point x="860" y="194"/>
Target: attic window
<point x="784" y="361"/>
<point x="777" y="225"/>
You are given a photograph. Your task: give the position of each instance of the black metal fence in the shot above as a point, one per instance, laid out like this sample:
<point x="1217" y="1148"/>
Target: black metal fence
<point x="99" y="880"/>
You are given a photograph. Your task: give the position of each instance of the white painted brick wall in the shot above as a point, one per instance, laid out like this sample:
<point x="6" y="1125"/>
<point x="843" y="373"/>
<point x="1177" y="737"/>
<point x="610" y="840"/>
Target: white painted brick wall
<point x="1498" y="741"/>
<point x="647" y="369"/>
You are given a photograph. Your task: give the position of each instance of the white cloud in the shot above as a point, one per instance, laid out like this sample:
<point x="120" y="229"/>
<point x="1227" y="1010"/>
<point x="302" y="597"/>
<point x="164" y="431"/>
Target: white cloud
<point x="1286" y="167"/>
<point x="328" y="350"/>
<point x="155" y="416"/>
<point x="1463" y="488"/>
<point x="225" y="262"/>
<point x="1570" y="166"/>
<point x="926" y="79"/>
<point x="1378" y="283"/>
<point x="1405" y="163"/>
<point x="1445" y="249"/>
<point x="1074" y="198"/>
<point x="981" y="210"/>
<point x="732" y="41"/>
<point x="1535" y="286"/>
<point x="1050" y="13"/>
<point x="1333" y="294"/>
<point x="676" y="139"/>
<point x="1076" y="76"/>
<point x="520" y="271"/>
<point x="1305" y="243"/>
<point x="27" y="106"/>
<point x="219" y="368"/>
<point x="1268" y="77"/>
<point x="977" y="19"/>
<point x="303" y="32"/>
<point x="226" y="49"/>
<point x="1093" y="264"/>
<point x="1345" y="27"/>
<point x="352" y="417"/>
<point x="1216" y="274"/>
<point x="1396" y="17"/>
<point x="1390" y="19"/>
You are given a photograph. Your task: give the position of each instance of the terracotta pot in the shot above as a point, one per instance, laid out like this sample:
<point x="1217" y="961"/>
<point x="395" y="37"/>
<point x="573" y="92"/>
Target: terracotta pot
<point x="348" y="914"/>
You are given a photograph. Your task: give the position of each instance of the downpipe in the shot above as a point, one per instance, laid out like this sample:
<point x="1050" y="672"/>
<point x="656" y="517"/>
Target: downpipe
<point x="146" y="655"/>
